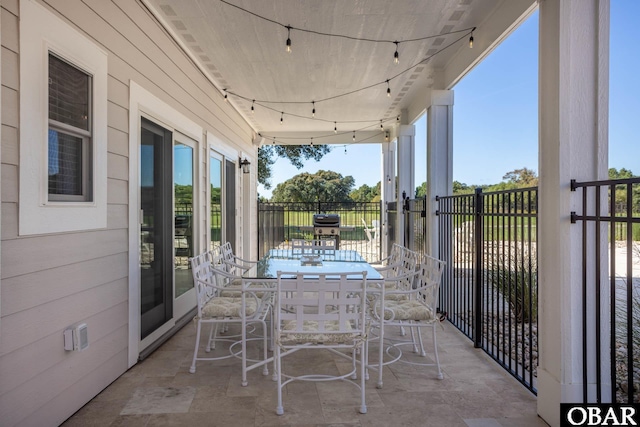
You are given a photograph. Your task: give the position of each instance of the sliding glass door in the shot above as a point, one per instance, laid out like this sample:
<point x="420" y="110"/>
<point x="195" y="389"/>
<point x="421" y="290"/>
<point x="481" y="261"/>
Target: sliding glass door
<point x="156" y="228"/>
<point x="168" y="226"/>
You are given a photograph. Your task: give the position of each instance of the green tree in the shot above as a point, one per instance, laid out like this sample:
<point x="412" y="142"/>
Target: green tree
<point x="364" y="193"/>
<point x="421" y="191"/>
<point x="522" y="177"/>
<point x="324" y="186"/>
<point x="621" y="190"/>
<point x="462" y="188"/>
<point x="268" y="154"/>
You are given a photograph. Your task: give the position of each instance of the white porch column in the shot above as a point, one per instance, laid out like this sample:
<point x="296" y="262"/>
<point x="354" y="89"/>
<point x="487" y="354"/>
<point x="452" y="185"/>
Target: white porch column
<point x="439" y="157"/>
<point x="387" y="187"/>
<point x="573" y="127"/>
<point x="406" y="173"/>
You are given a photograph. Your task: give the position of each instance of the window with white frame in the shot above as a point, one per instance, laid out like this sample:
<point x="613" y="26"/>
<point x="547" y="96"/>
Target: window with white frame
<point x="63" y="126"/>
<point x="69" y="138"/>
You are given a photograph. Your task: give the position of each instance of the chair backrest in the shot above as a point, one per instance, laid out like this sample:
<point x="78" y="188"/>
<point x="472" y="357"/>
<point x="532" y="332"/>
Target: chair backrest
<point x="406" y="262"/>
<point x="204" y="278"/>
<point x="301" y="246"/>
<point x="325" y="246"/>
<point x="367" y="230"/>
<point x="428" y="280"/>
<point x="325" y="304"/>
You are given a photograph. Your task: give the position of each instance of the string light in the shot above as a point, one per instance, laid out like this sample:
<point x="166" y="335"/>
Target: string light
<point x="398" y="119"/>
<point x="288" y="39"/>
<point x="312" y="141"/>
<point x="335" y="127"/>
<point x="282" y="117"/>
<point x="313" y="112"/>
<point x="252" y="110"/>
<point x="381" y="127"/>
<point x="386" y="136"/>
<point x="345" y="150"/>
<point x="471" y="39"/>
<point x="225" y="96"/>
<point x="354" y="136"/>
<point x="396" y="59"/>
<point x="388" y="89"/>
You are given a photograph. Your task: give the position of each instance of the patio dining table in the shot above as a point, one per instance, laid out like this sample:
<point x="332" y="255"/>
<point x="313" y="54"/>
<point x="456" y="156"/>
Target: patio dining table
<point x="311" y="263"/>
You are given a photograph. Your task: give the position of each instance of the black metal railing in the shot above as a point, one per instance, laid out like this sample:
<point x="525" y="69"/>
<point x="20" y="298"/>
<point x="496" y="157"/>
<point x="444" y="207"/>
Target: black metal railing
<point x="360" y="225"/>
<point x="610" y="227"/>
<point x="489" y="288"/>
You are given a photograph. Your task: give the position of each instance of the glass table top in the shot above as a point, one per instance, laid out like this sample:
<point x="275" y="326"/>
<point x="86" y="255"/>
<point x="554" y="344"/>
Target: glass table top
<point x="334" y="261"/>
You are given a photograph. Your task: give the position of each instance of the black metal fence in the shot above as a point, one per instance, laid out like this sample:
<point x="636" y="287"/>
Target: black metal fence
<point x="489" y="288"/>
<point x="610" y="224"/>
<point x="360" y="225"/>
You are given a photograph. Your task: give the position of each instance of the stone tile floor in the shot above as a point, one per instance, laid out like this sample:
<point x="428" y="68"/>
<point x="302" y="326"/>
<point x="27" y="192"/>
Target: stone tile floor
<point x="160" y="391"/>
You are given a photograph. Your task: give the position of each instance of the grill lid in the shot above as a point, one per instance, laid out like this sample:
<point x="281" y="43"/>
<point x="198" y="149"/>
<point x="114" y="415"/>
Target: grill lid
<point x="326" y="220"/>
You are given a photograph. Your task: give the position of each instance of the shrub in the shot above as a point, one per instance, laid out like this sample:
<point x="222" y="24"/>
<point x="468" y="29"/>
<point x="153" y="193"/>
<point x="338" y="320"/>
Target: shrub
<point x="514" y="273"/>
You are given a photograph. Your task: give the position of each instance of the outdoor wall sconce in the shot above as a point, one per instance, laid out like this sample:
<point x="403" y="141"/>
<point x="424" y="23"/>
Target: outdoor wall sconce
<point x="244" y="164"/>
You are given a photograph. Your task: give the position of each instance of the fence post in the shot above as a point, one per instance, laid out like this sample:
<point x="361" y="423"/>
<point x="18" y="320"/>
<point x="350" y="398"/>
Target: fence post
<point x="479" y="273"/>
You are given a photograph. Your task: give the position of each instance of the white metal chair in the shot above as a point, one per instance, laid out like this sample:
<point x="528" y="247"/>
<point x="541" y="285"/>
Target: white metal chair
<point x="370" y="232"/>
<point x="325" y="312"/>
<point x="400" y="275"/>
<point x="413" y="304"/>
<point x="214" y="308"/>
<point x="234" y="264"/>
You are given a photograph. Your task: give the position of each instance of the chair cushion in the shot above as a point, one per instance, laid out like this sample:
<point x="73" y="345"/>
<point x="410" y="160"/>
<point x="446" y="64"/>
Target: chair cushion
<point x="310" y="333"/>
<point x="228" y="307"/>
<point x="407" y="310"/>
<point x="233" y="290"/>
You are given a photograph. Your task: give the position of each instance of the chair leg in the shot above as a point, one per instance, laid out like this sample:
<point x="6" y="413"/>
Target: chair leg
<point x="213" y="334"/>
<point x="435" y="352"/>
<point x="423" y="353"/>
<point x="244" y="352"/>
<point x="363" y="362"/>
<point x="380" y="355"/>
<point x="278" y="372"/>
<point x="192" y="369"/>
<point x="265" y="340"/>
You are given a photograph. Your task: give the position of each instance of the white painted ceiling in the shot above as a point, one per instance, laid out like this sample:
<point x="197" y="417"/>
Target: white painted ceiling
<point x="246" y="55"/>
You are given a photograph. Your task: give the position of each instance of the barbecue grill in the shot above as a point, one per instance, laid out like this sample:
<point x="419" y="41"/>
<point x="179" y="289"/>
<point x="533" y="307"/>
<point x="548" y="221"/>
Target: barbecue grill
<point x="327" y="226"/>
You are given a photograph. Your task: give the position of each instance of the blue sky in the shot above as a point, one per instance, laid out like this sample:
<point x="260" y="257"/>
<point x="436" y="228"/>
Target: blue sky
<point x="496" y="109"/>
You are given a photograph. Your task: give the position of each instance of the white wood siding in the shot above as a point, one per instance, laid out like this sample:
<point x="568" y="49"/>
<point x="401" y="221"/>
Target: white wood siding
<point x="50" y="282"/>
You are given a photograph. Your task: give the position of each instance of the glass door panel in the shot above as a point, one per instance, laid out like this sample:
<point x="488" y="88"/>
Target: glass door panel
<point x="230" y="203"/>
<point x="215" y="203"/>
<point x="183" y="167"/>
<point x="156" y="278"/>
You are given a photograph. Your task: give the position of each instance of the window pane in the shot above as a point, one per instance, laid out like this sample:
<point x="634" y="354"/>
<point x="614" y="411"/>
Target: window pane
<point x="68" y="94"/>
<point x="65" y="164"/>
<point x="215" y="173"/>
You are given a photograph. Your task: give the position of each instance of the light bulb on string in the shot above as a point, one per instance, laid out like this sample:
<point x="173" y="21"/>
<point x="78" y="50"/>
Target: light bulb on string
<point x="225" y="96"/>
<point x="313" y="112"/>
<point x="288" y="39"/>
<point x="252" y="109"/>
<point x="388" y="89"/>
<point x="471" y="40"/>
<point x="354" y="136"/>
<point x="282" y="117"/>
<point x="335" y="127"/>
<point x="398" y="119"/>
<point x="381" y="127"/>
<point x="396" y="58"/>
<point x="312" y="141"/>
<point x="345" y="150"/>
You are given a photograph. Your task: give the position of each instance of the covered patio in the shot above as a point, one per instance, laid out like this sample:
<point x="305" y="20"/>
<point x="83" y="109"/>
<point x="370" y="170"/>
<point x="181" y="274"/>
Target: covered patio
<point x="475" y="392"/>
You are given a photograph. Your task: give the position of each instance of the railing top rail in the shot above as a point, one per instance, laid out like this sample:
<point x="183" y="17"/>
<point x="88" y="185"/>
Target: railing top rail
<point x="575" y="184"/>
<point x="489" y="193"/>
